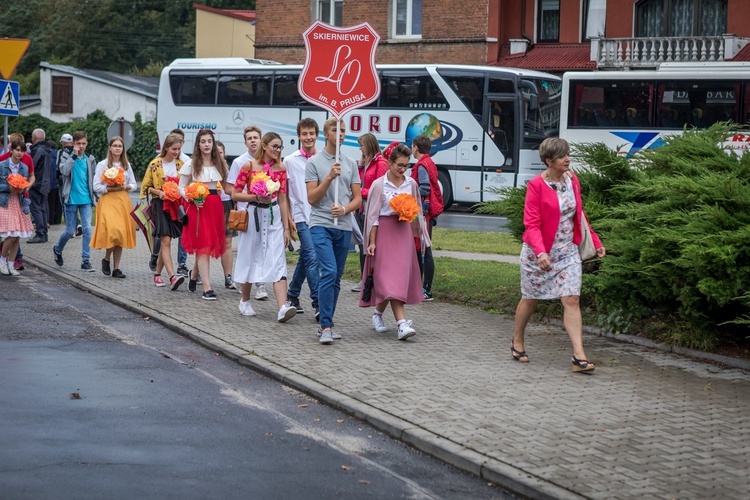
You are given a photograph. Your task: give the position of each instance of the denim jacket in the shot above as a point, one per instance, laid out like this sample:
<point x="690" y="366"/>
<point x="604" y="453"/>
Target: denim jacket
<point x="4" y="187"/>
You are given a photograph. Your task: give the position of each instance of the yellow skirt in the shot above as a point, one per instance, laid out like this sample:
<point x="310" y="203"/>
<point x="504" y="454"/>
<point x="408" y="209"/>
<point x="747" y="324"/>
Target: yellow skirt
<point x="114" y="225"/>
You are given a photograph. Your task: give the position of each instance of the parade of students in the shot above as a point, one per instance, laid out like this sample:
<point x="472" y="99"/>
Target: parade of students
<point x="391" y="260"/>
<point x="329" y="228"/>
<point x="299" y="214"/>
<point x="261" y="249"/>
<point x="167" y="223"/>
<point x="205" y="232"/>
<point x="14" y="223"/>
<point x="114" y="229"/>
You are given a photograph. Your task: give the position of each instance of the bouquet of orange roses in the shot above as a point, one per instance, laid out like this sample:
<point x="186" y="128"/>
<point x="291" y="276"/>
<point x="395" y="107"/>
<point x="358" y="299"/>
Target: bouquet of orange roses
<point x="406" y="206"/>
<point x="114" y="176"/>
<point x="171" y="192"/>
<point x="197" y="192"/>
<point x="18" y="181"/>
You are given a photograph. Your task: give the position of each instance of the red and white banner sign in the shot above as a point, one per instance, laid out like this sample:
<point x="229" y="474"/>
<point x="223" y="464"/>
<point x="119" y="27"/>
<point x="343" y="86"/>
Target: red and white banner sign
<point x="339" y="73"/>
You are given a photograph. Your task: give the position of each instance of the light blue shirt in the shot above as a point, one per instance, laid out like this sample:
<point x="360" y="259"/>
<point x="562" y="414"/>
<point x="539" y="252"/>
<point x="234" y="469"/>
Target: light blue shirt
<point x="79" y="189"/>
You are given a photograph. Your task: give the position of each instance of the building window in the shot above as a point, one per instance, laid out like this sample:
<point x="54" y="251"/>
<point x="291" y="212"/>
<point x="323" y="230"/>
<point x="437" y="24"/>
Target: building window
<point x="407" y="18"/>
<point x="62" y="94"/>
<point x="681" y="18"/>
<point x="594" y="18"/>
<point x="331" y="11"/>
<point x="549" y="20"/>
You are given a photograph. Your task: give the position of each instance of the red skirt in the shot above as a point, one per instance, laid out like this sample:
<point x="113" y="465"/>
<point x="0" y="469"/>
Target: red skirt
<point x="205" y="231"/>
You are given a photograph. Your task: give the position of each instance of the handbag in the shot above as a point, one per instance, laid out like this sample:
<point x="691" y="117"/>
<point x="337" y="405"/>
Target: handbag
<point x="586" y="247"/>
<point x="238" y="219"/>
<point x="367" y="287"/>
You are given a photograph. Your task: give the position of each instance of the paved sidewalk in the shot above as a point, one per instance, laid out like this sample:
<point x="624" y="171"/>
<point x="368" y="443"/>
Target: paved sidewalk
<point x="645" y="424"/>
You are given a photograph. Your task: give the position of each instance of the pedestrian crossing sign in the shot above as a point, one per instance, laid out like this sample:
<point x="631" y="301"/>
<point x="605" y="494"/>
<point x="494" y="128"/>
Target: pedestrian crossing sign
<point x="9" y="97"/>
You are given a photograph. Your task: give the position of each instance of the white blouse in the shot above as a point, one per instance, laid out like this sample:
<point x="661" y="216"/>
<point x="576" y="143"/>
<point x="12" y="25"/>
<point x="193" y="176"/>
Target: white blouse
<point x="209" y="175"/>
<point x="389" y="191"/>
<point x="100" y="187"/>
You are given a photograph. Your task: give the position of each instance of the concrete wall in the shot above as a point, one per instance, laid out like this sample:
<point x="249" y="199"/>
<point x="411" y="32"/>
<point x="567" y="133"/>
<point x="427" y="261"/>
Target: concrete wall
<point x="222" y="36"/>
<point x="90" y="95"/>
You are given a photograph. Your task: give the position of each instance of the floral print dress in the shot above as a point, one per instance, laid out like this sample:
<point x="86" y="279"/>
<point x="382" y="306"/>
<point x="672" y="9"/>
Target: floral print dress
<point x="564" y="279"/>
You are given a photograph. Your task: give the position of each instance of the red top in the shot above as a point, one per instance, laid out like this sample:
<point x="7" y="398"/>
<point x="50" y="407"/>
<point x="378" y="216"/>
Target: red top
<point x="25" y="159"/>
<point x="245" y="176"/>
<point x="377" y="168"/>
<point x="541" y="215"/>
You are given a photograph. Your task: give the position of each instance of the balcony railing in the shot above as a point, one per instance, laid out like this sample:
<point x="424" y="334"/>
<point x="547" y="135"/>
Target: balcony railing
<point x="651" y="52"/>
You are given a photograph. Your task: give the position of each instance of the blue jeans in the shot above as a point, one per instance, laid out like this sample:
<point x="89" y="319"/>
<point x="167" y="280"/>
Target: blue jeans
<point x="71" y="217"/>
<point x="307" y="265"/>
<point x="331" y="249"/>
<point x="181" y="254"/>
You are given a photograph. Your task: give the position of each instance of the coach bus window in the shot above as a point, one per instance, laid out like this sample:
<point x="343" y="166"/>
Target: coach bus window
<point x="470" y="89"/>
<point x="285" y="91"/>
<point x="410" y="90"/>
<point x="540" y="110"/>
<point x="697" y="103"/>
<point x="245" y="90"/>
<point x="193" y="89"/>
<point x="603" y="104"/>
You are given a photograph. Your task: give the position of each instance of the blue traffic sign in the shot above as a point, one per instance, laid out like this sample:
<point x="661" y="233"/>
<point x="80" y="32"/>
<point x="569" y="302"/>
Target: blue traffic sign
<point x="9" y="98"/>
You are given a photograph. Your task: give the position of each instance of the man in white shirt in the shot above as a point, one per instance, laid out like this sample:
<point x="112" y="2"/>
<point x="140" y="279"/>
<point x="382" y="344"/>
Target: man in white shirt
<point x="252" y="135"/>
<point x="307" y="265"/>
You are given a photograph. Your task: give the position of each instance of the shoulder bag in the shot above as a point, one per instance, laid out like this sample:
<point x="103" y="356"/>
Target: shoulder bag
<point x="238" y="219"/>
<point x="586" y="246"/>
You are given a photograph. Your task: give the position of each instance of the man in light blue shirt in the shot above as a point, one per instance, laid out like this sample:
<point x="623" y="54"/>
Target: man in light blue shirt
<point x="77" y="171"/>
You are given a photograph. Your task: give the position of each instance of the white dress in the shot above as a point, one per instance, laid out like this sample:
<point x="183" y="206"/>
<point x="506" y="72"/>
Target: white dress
<point x="261" y="255"/>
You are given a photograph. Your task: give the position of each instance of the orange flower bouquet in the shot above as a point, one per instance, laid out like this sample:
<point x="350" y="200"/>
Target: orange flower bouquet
<point x="406" y="206"/>
<point x="114" y="176"/>
<point x="18" y="181"/>
<point x="197" y="192"/>
<point x="171" y="192"/>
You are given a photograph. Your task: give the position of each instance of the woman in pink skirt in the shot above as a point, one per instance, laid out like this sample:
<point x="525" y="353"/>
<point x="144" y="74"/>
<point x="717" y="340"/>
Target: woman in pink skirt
<point x="204" y="233"/>
<point x="394" y="267"/>
<point x="14" y="224"/>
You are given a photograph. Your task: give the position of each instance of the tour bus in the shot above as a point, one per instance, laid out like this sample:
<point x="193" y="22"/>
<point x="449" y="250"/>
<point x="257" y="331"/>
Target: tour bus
<point x="634" y="110"/>
<point x="485" y="123"/>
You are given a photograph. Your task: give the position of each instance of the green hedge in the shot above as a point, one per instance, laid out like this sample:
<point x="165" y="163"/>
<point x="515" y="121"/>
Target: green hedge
<point x="95" y="125"/>
<point x="676" y="224"/>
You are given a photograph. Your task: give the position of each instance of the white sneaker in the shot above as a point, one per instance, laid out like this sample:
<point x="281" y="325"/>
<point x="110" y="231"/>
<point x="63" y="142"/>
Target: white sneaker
<point x="12" y="269"/>
<point x="405" y="330"/>
<point x="261" y="293"/>
<point x="326" y="338"/>
<point x="334" y="334"/>
<point x="246" y="309"/>
<point x="286" y="313"/>
<point x="5" y="269"/>
<point x="377" y="322"/>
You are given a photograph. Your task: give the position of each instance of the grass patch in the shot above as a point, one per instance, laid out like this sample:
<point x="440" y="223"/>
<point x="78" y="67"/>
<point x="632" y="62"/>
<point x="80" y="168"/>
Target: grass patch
<point x="474" y="241"/>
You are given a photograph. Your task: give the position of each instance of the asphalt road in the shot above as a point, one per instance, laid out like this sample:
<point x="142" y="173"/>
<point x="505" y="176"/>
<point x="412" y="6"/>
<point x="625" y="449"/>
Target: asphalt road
<point x="99" y="402"/>
<point x="463" y="218"/>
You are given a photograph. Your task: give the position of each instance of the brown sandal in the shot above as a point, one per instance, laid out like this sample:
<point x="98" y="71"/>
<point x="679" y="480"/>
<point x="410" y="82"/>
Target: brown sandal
<point x="518" y="355"/>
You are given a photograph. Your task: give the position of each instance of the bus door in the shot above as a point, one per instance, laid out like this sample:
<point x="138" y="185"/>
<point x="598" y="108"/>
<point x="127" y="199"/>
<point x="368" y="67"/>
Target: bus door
<point x="500" y="149"/>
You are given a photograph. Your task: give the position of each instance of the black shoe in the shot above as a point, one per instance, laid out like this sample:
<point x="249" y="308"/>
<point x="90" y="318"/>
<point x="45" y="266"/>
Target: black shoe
<point x="58" y="255"/>
<point x="317" y="314"/>
<point x="294" y="302"/>
<point x="183" y="271"/>
<point x="117" y="274"/>
<point x="37" y="239"/>
<point x="192" y="284"/>
<point x="105" y="267"/>
<point x="152" y="262"/>
<point x="79" y="230"/>
<point x="209" y="295"/>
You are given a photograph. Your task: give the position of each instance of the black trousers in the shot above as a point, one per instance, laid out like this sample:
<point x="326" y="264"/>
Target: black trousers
<point x="39" y="207"/>
<point x="54" y="207"/>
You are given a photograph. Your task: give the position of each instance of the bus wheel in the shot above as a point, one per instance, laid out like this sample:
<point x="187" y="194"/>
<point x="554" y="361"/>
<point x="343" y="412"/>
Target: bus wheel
<point x="445" y="189"/>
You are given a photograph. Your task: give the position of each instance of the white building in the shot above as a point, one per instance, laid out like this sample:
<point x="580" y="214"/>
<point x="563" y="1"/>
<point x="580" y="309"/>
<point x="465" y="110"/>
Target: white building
<point x="69" y="93"/>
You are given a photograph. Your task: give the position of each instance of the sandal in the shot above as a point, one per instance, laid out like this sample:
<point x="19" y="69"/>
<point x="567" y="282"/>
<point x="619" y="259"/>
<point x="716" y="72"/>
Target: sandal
<point x="582" y="365"/>
<point x="518" y="355"/>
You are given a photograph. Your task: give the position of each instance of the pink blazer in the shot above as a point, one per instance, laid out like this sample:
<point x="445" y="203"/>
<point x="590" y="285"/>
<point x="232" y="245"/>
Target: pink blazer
<point x="541" y="215"/>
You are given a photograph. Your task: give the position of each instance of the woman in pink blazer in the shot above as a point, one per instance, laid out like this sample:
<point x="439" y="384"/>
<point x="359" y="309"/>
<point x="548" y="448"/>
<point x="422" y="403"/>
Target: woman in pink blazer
<point x="550" y="262"/>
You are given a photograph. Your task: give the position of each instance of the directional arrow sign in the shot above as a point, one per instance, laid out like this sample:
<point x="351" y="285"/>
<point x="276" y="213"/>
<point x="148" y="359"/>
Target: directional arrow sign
<point x="11" y="52"/>
<point x="8" y="98"/>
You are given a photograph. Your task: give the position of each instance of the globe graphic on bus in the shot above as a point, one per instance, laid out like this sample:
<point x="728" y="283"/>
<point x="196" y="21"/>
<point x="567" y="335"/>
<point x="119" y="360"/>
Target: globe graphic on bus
<point x="424" y="124"/>
<point x="442" y="135"/>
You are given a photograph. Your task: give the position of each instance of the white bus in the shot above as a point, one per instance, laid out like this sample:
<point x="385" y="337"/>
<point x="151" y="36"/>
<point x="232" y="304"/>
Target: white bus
<point x="634" y="110"/>
<point x="484" y="122"/>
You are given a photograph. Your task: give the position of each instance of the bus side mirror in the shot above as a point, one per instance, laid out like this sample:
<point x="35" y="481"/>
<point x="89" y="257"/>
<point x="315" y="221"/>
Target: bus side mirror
<point x="533" y="102"/>
<point x="531" y="93"/>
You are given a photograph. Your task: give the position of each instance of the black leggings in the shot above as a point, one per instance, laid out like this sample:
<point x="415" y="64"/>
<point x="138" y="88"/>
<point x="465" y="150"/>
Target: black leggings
<point x="427" y="268"/>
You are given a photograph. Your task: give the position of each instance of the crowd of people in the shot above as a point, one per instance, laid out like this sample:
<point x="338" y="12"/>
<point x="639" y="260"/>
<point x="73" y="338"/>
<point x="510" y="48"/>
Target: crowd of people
<point x="310" y="196"/>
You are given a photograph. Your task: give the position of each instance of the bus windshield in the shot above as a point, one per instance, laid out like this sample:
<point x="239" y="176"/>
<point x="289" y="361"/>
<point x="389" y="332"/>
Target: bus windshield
<point x="541" y="110"/>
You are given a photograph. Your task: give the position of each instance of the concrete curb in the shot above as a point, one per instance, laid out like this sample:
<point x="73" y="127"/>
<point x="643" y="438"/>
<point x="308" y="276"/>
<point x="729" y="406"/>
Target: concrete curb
<point x="496" y="471"/>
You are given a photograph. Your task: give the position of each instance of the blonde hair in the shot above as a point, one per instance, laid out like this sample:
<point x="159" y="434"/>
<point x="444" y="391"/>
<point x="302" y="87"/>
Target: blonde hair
<point x="267" y="138"/>
<point x="170" y="141"/>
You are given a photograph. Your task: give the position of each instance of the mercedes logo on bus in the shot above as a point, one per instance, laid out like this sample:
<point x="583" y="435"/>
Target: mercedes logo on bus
<point x="238" y="116"/>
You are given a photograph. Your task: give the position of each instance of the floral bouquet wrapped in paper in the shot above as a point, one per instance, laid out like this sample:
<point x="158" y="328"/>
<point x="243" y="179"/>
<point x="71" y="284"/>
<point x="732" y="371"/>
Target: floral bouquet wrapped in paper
<point x="406" y="206"/>
<point x="171" y="192"/>
<point x="114" y="176"/>
<point x="263" y="185"/>
<point x="18" y="181"/>
<point x="197" y="192"/>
